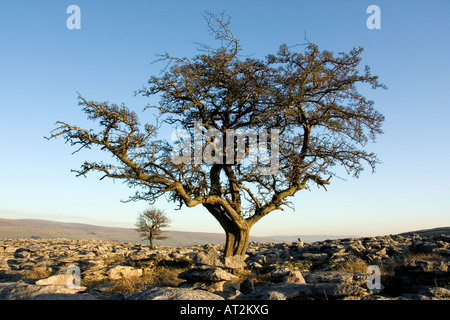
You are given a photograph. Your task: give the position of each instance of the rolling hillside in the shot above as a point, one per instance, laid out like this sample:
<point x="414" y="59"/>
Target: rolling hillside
<point x="47" y="229"/>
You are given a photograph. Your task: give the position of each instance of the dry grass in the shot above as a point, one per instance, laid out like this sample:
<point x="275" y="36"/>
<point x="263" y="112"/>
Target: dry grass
<point x="114" y="259"/>
<point x="36" y="273"/>
<point x="125" y="285"/>
<point x="157" y="272"/>
<point x="425" y="256"/>
<point x="159" y="276"/>
<point x="163" y="277"/>
<point x="356" y="265"/>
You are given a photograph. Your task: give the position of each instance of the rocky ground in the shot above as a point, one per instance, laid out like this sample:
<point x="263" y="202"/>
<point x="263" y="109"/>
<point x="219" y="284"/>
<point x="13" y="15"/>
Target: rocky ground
<point x="412" y="267"/>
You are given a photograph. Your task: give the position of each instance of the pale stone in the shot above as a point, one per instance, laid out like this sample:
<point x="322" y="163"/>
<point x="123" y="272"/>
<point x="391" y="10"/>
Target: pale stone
<point x="172" y="294"/>
<point x="207" y="274"/>
<point x="295" y="276"/>
<point x="287" y="275"/>
<point x="120" y="272"/>
<point x="234" y="262"/>
<point x="56" y="280"/>
<point x="22" y="291"/>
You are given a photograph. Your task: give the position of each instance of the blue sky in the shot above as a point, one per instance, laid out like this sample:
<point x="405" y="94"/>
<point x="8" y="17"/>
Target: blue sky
<point x="43" y="65"/>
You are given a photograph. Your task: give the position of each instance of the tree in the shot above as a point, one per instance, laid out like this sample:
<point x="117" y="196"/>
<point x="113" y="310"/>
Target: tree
<point x="308" y="101"/>
<point x="149" y="224"/>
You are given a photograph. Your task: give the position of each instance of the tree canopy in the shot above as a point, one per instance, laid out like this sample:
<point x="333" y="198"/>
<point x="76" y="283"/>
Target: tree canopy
<point x="307" y="102"/>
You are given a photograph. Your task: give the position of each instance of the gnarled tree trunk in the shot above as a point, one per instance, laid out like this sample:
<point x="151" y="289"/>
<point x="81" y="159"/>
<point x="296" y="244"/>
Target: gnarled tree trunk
<point x="237" y="233"/>
<point x="236" y="242"/>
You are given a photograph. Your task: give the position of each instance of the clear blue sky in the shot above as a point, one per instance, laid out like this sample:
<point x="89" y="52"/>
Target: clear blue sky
<point x="43" y="64"/>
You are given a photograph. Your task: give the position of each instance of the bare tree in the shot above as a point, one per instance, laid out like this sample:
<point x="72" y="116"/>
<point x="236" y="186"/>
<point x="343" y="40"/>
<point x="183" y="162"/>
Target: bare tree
<point x="309" y="98"/>
<point x="149" y="224"/>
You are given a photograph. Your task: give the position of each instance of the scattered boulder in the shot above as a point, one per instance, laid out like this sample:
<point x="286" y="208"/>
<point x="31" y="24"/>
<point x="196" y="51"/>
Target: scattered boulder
<point x="9" y="249"/>
<point x="289" y="291"/>
<point x="414" y="267"/>
<point x="329" y="277"/>
<point x="206" y="274"/>
<point x="271" y="258"/>
<point x="318" y="257"/>
<point x="22" y="253"/>
<point x="412" y="273"/>
<point x="160" y="293"/>
<point x="247" y="286"/>
<point x="23" y="291"/>
<point x="225" y="289"/>
<point x="56" y="280"/>
<point x="234" y="262"/>
<point x="423" y="246"/>
<point x="287" y="275"/>
<point x="210" y="257"/>
<point x="120" y="272"/>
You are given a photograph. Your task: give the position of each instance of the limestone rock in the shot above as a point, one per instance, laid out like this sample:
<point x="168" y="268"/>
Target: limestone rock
<point x="314" y="256"/>
<point x="418" y="267"/>
<point x="23" y="291"/>
<point x="437" y="293"/>
<point x="295" y="276"/>
<point x="56" y="280"/>
<point x="22" y="253"/>
<point x="421" y="272"/>
<point x="210" y="257"/>
<point x="234" y="262"/>
<point x="423" y="246"/>
<point x="247" y="286"/>
<point x="225" y="289"/>
<point x="443" y="237"/>
<point x="287" y="275"/>
<point x="206" y="275"/>
<point x="120" y="272"/>
<point x="9" y="249"/>
<point x="329" y="277"/>
<point x="321" y="291"/>
<point x="160" y="293"/>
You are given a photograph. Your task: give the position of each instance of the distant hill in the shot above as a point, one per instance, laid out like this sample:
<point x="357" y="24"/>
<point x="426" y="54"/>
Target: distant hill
<point x="47" y="229"/>
<point x="429" y="232"/>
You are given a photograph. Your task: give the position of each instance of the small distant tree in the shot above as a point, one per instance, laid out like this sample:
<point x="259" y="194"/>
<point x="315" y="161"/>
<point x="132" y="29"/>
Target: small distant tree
<point x="149" y="225"/>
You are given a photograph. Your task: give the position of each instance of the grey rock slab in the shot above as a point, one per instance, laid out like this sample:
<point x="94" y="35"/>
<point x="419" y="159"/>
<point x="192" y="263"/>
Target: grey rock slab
<point x="223" y="288"/>
<point x="314" y="256"/>
<point x="271" y="258"/>
<point x="295" y="276"/>
<point x="329" y="277"/>
<point x="9" y="249"/>
<point x="206" y="274"/>
<point x="23" y="291"/>
<point x="287" y="291"/>
<point x="120" y="272"/>
<point x="284" y="274"/>
<point x="247" y="286"/>
<point x="168" y="293"/>
<point x="210" y="257"/>
<point x="57" y="280"/>
<point x="22" y="253"/>
<point x="438" y="293"/>
<point x="234" y="262"/>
